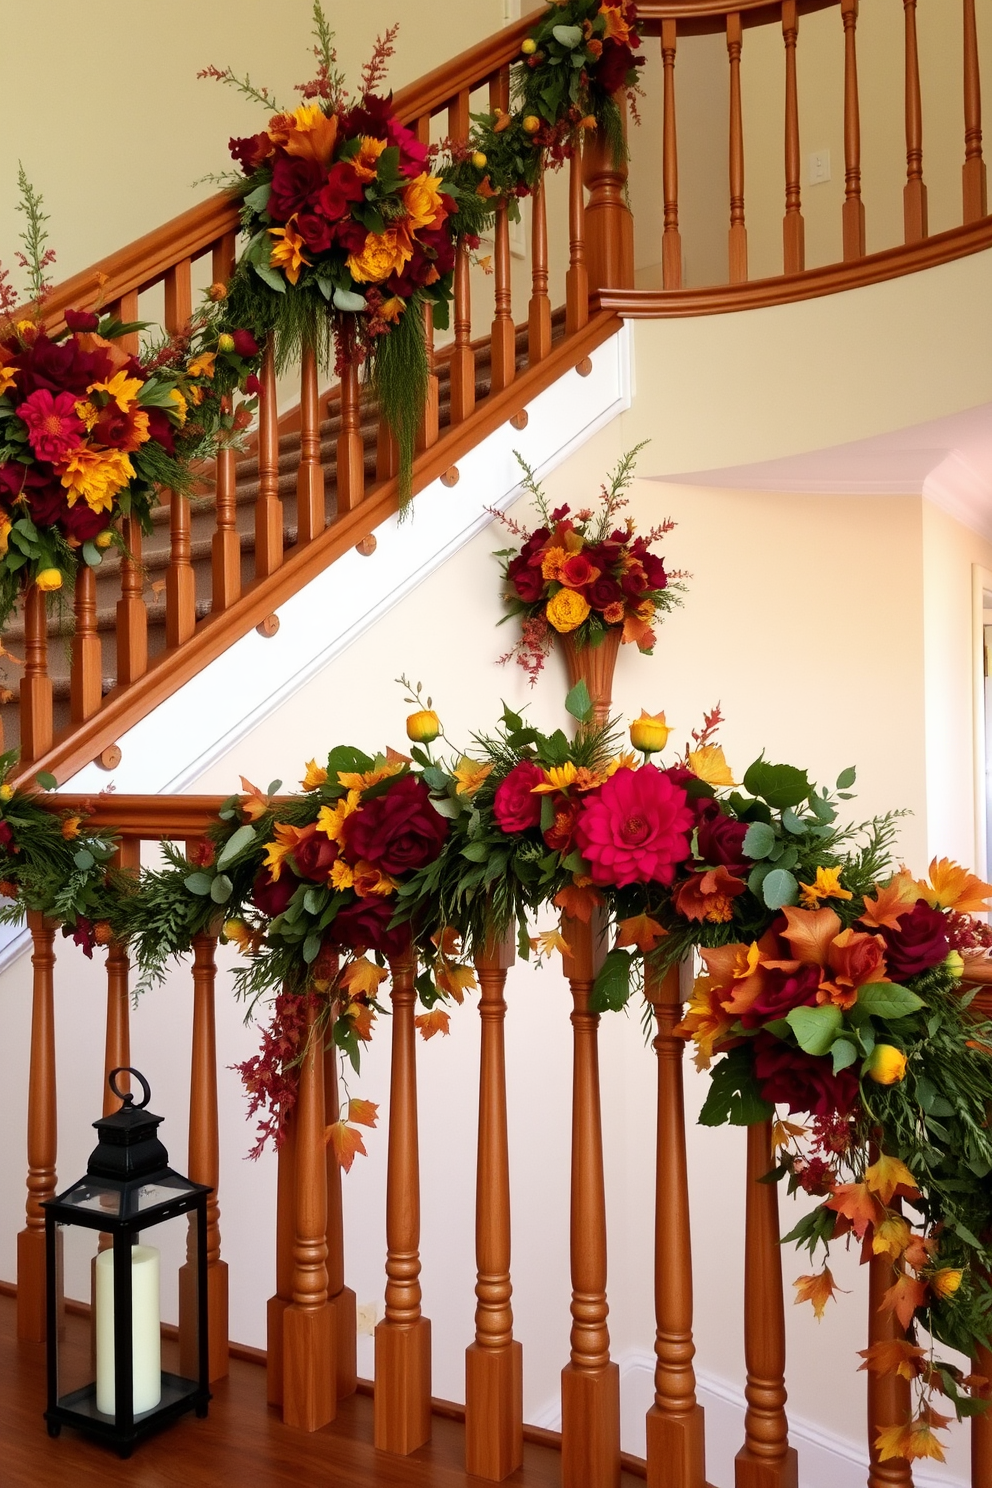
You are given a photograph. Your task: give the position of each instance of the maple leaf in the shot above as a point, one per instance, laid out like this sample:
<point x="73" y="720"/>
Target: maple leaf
<point x="347" y="1143"/>
<point x="546" y="941"/>
<point x="455" y="980"/>
<point x="436" y="1021"/>
<point x="887" y="1176"/>
<point x="396" y="757"/>
<point x="891" y="903"/>
<point x="893" y="1356"/>
<point x="579" y="901"/>
<point x="810" y="933"/>
<point x="640" y="931"/>
<point x="857" y="1203"/>
<point x="366" y="1113"/>
<point x="922" y="1442"/>
<point x="891" y="1236"/>
<point x="254" y="803"/>
<point x="904" y="1298"/>
<point x="448" y="941"/>
<point x="953" y="887"/>
<point x="362" y="977"/>
<point x="783" y="1130"/>
<point x="362" y="1018"/>
<point x="892" y="1441"/>
<point x="709" y="763"/>
<point x="816" y="1289"/>
<point x="919" y="1252"/>
<point x="637" y="632"/>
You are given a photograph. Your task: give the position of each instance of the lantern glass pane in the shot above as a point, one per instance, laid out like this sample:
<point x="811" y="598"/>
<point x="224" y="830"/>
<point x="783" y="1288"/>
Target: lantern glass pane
<point x="76" y="1256"/>
<point x="95" y="1196"/>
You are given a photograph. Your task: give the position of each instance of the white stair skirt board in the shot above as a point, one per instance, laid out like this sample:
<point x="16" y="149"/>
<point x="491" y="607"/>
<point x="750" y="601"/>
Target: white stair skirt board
<point x="825" y="1459"/>
<point x="206" y="717"/>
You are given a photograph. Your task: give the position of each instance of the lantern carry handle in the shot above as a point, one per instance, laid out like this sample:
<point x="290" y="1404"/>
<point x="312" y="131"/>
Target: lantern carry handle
<point x="125" y="1095"/>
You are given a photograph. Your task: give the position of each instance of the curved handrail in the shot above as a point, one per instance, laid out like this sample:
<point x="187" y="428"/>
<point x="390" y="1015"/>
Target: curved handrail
<point x="700" y="17"/>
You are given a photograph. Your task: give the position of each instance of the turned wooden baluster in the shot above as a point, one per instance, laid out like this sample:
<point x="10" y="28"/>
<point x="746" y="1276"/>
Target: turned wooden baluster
<point x="308" y="1344"/>
<point x="403" y="1338"/>
<point x="671" y="241"/>
<point x="577" y="278"/>
<point x="676" y="1446"/>
<point x="86" y="681"/>
<point x="42" y="1134"/>
<point x="36" y="684"/>
<point x="494" y="1362"/>
<point x="268" y="503"/>
<point x="285" y="1237"/>
<point x="889" y="1397"/>
<point x="350" y="448"/>
<point x="132" y="613"/>
<point x="180" y="579"/>
<point x="853" y="218"/>
<point x="539" y="313"/>
<point x="117" y="1044"/>
<point x="310" y="475"/>
<point x="590" y="1382"/>
<point x="428" y="430"/>
<point x="974" y="180"/>
<point x="504" y="332"/>
<point x="914" y="197"/>
<point x="204" y="1167"/>
<point x="341" y="1297"/>
<point x="609" y="225"/>
<point x="793" y="229"/>
<point x="766" y="1460"/>
<point x="738" y="232"/>
<point x="225" y="544"/>
<point x="462" y="364"/>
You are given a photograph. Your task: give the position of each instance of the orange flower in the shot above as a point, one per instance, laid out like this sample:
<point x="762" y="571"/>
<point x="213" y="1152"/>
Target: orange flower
<point x="855" y="959"/>
<point x="953" y="887"/>
<point x="551" y="563"/>
<point x="367" y="880"/>
<point x="307" y="132"/>
<point x="382" y="254"/>
<point x="366" y="163"/>
<point x="617" y="28"/>
<point x="423" y="201"/>
<point x="392" y="309"/>
<point x="286" y="252"/>
<point x="613" y="614"/>
<point x="705" y="1021"/>
<point x="709" y="896"/>
<point x="70" y="827"/>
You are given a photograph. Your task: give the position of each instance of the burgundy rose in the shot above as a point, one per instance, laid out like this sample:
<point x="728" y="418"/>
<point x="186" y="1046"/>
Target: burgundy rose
<point x="919" y="942"/>
<point x="528" y="581"/>
<point x="250" y="151"/>
<point x="60" y="366"/>
<point x="81" y="522"/>
<point x="295" y="184"/>
<point x="270" y="896"/>
<point x="364" y="925"/>
<point x="654" y="570"/>
<point x="16" y="479"/>
<point x="341" y="189"/>
<point x="314" y="853"/>
<point x="803" y="1082"/>
<point x="161" y="429"/>
<point x="81" y="320"/>
<point x="635" y="581"/>
<point x="397" y="831"/>
<point x="614" y="66"/>
<point x="533" y="548"/>
<point x="6" y="835"/>
<point x="245" y="344"/>
<point x="783" y="991"/>
<point x="720" y="839"/>
<point x="515" y="806"/>
<point x="603" y="592"/>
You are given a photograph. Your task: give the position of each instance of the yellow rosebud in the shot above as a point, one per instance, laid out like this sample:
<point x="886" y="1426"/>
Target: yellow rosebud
<point x="887" y="1064"/>
<point x="104" y="539"/>
<point x="480" y="160"/>
<point x="649" y="733"/>
<point x="528" y="47"/>
<point x="954" y="963"/>
<point x="49" y="579"/>
<point x="6" y="792"/>
<point x="225" y="342"/>
<point x="945" y="1282"/>
<point x="233" y="928"/>
<point x="423" y="727"/>
<point x="531" y="124"/>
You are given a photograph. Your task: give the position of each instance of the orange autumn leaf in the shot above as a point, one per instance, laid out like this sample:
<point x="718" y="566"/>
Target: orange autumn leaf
<point x="893" y="1356"/>
<point x="891" y="1237"/>
<point x="254" y="803"/>
<point x="856" y="1202"/>
<point x="436" y="1021"/>
<point x="816" y="1289"/>
<point x="640" y="931"/>
<point x="546" y="941"/>
<point x="922" y="1442"/>
<point x="894" y="900"/>
<point x="448" y="941"/>
<point x="347" y="1143"/>
<point x="362" y="977"/>
<point x="362" y="1018"/>
<point x="919" y="1252"/>
<point x="904" y="1298"/>
<point x="579" y="901"/>
<point x="455" y="980"/>
<point x="889" y="1174"/>
<point x="366" y="1113"/>
<point x="953" y="887"/>
<point x="810" y="933"/>
<point x="396" y="757"/>
<point x="783" y="1130"/>
<point x="637" y="632"/>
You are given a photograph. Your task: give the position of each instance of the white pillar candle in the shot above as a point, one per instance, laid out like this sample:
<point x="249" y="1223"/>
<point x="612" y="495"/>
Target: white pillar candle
<point x="146" y="1330"/>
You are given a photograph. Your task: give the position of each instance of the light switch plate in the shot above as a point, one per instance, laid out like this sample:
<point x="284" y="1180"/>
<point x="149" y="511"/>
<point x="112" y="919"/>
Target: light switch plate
<point x="819" y="167"/>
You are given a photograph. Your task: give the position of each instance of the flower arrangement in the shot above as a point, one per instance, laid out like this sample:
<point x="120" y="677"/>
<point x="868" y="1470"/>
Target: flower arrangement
<point x="88" y="429"/>
<point x="350" y="232"/>
<point x="585" y="575"/>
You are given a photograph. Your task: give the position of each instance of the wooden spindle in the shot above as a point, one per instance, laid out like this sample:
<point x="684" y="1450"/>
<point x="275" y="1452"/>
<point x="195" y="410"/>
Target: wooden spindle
<point x="204" y="1167"/>
<point x="180" y="578"/>
<point x="387" y="453"/>
<point x="577" y="278"/>
<point x="310" y="474"/>
<point x="132" y="613"/>
<point x="42" y="1134"/>
<point x="117" y="1044"/>
<point x="981" y="1428"/>
<point x="285" y="1236"/>
<point x="86" y="682"/>
<point x="308" y="1344"/>
<point x="738" y="232"/>
<point x="590" y="1382"/>
<point x="889" y="1397"/>
<point x="766" y="1460"/>
<point x="853" y="218"/>
<point x="462" y="365"/>
<point x="494" y="1362"/>
<point x="609" y="225"/>
<point x="671" y="241"/>
<point x="504" y="332"/>
<point x="341" y="1297"/>
<point x="268" y="504"/>
<point x="223" y="257"/>
<point x="914" y="197"/>
<point x="793" y="228"/>
<point x="676" y="1447"/>
<point x="225" y="544"/>
<point x="350" y="448"/>
<point x="974" y="179"/>
<point x="126" y="310"/>
<point x="403" y="1338"/>
<point x="428" y="430"/>
<point x="178" y="287"/>
<point x="36" y="684"/>
<point x="539" y="313"/>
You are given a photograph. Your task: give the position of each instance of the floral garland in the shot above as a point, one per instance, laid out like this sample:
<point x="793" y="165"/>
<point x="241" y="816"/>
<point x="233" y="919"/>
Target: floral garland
<point x="585" y="575"/>
<point x="88" y="430"/>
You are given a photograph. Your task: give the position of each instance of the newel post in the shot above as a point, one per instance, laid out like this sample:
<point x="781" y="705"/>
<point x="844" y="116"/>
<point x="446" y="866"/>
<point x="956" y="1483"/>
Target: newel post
<point x="609" y="227"/>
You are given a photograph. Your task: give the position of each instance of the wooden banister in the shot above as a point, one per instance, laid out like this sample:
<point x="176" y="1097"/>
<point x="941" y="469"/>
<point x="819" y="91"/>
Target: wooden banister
<point x="609" y="227"/>
<point x="42" y="1134"/>
<point x="504" y="332"/>
<point x="86" y="683"/>
<point x="37" y="725"/>
<point x="577" y="278"/>
<point x="539" y="313"/>
<point x="889" y="1396"/>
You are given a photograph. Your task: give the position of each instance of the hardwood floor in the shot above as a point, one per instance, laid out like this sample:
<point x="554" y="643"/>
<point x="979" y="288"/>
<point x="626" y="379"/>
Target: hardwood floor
<point x="242" y="1443"/>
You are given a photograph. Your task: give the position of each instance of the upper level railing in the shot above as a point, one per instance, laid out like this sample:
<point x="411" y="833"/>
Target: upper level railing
<point x="266" y="524"/>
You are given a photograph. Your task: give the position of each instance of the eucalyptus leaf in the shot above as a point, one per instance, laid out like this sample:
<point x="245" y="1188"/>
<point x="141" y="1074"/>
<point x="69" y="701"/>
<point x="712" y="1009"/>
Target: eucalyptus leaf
<point x="759" y="840"/>
<point x="843" y="1053"/>
<point x="578" y="702"/>
<point x="270" y="277"/>
<point x="611" y="988"/>
<point x="83" y="859"/>
<point x="221" y="889"/>
<point x="199" y="883"/>
<point x="780" y="887"/>
<point x="567" y="36"/>
<point x="235" y="844"/>
<point x="92" y="556"/>
<point x="346" y="299"/>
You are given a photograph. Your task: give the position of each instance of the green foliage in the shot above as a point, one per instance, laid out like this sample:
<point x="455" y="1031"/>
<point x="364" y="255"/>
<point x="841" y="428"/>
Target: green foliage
<point x="733" y="1097"/>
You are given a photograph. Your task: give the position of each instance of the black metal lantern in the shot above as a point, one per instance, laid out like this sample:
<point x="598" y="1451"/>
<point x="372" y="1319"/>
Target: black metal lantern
<point x="96" y="1236"/>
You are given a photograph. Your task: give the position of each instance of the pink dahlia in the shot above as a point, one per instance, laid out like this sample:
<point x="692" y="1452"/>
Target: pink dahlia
<point x="53" y="428"/>
<point x="635" y="828"/>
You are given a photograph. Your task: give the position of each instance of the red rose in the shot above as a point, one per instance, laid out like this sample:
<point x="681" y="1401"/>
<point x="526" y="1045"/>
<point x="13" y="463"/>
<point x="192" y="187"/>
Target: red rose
<point x="801" y="1081"/>
<point x="604" y="592"/>
<point x="720" y="839"/>
<point x="273" y="897"/>
<point x="81" y="522"/>
<point x="398" y="831"/>
<point x="251" y="151"/>
<point x="654" y="571"/>
<point x="576" y="572"/>
<point x="634" y="582"/>
<point x="919" y="942"/>
<point x="364" y="926"/>
<point x="559" y="835"/>
<point x="81" y="320"/>
<point x="314" y="854"/>
<point x="60" y="366"/>
<point x="342" y="188"/>
<point x="528" y="581"/>
<point x="245" y="344"/>
<point x="295" y="184"/>
<point x="515" y="807"/>
<point x="782" y="992"/>
<point x="161" y="430"/>
<point x="533" y="548"/>
<point x="635" y="828"/>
